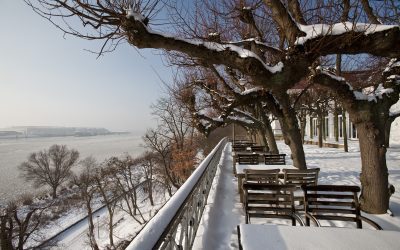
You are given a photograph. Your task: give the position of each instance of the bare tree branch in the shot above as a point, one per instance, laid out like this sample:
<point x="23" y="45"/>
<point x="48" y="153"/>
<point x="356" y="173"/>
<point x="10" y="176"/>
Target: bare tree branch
<point x="370" y="12"/>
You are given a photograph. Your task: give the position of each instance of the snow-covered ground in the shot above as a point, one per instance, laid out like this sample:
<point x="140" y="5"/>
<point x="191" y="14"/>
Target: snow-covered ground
<point x="224" y="211"/>
<point x="125" y="227"/>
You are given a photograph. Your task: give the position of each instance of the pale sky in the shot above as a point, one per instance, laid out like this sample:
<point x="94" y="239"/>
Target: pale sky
<point x="48" y="80"/>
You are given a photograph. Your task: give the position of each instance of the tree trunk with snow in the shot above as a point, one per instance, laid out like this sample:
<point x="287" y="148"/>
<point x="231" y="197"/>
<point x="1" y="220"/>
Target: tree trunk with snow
<point x="269" y="134"/>
<point x="292" y="139"/>
<point x="344" y="125"/>
<point x="303" y="122"/>
<point x="320" y="130"/>
<point x="292" y="135"/>
<point x="370" y="118"/>
<point x="263" y="139"/>
<point x="335" y="124"/>
<point x="374" y="175"/>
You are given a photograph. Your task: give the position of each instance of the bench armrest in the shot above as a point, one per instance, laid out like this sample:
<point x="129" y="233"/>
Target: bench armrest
<point x="371" y="222"/>
<point x="298" y="219"/>
<point x="311" y="217"/>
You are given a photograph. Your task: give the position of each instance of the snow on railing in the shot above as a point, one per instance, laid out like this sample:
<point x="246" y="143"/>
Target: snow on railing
<point x="176" y="223"/>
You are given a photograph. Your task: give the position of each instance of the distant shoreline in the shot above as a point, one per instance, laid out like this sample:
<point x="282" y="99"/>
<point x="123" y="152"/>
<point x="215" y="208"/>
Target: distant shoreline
<point x="21" y="136"/>
<point x="44" y="132"/>
<point x="14" y="151"/>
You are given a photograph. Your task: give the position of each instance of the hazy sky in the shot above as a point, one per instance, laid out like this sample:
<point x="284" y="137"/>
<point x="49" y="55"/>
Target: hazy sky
<point x="49" y="80"/>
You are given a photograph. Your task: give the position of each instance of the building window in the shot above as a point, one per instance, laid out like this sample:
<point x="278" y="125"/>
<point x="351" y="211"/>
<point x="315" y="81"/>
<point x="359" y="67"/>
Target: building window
<point x="326" y="127"/>
<point x="353" y="131"/>
<point x="340" y="126"/>
<point x="315" y="126"/>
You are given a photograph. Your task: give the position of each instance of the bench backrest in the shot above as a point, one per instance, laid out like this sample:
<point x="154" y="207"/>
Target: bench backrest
<point x="252" y="159"/>
<point x="275" y="159"/>
<point x="299" y="177"/>
<point x="335" y="203"/>
<point x="269" y="201"/>
<point x="261" y="149"/>
<point x="238" y="148"/>
<point x="262" y="176"/>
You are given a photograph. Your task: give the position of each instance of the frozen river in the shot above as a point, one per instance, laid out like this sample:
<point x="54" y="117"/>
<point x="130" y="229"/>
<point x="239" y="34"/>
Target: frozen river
<point x="14" y="151"/>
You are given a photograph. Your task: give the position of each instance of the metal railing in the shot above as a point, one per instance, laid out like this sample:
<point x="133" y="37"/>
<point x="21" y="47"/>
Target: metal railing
<point x="175" y="225"/>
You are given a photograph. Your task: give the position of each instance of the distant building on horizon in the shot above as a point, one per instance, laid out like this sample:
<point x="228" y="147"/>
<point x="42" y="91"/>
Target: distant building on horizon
<point x="50" y="131"/>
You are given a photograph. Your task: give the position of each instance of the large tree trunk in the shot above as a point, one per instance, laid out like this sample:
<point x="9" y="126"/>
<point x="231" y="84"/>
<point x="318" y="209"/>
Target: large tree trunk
<point x="291" y="133"/>
<point x="303" y="121"/>
<point x="324" y="128"/>
<point x="293" y="140"/>
<point x="374" y="175"/>
<point x="335" y="124"/>
<point x="269" y="135"/>
<point x="263" y="139"/>
<point x="320" y="130"/>
<point x="344" y="125"/>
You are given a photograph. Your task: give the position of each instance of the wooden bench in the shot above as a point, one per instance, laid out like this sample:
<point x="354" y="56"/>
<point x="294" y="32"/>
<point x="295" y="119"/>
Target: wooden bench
<point x="238" y="148"/>
<point x="244" y="142"/>
<point x="260" y="149"/>
<point x="270" y="201"/>
<point x="275" y="159"/>
<point x="334" y="203"/>
<point x="270" y="176"/>
<point x="252" y="159"/>
<point x="300" y="177"/>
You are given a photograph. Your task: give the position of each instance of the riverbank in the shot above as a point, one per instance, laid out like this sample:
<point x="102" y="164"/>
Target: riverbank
<point x="14" y="151"/>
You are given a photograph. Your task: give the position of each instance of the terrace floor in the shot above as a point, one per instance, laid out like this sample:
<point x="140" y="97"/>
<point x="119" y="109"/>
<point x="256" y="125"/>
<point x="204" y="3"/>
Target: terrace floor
<point x="224" y="211"/>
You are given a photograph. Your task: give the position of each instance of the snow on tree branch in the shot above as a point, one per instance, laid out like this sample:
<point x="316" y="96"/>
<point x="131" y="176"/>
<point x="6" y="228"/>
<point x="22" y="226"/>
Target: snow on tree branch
<point x="319" y="30"/>
<point x="374" y="95"/>
<point x="354" y="38"/>
<point x="392" y="71"/>
<point x="245" y="114"/>
<point x="261" y="45"/>
<point x="394" y="114"/>
<point x="242" y="120"/>
<point x="326" y="78"/>
<point x="143" y="36"/>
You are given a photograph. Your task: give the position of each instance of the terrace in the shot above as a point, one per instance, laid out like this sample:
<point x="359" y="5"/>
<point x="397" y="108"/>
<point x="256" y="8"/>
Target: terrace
<point x="205" y="212"/>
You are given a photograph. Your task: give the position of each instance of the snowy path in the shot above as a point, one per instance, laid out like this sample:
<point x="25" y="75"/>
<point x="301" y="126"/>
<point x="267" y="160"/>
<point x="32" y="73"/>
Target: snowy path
<point x="76" y="236"/>
<point x="124" y="228"/>
<point x="223" y="211"/>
